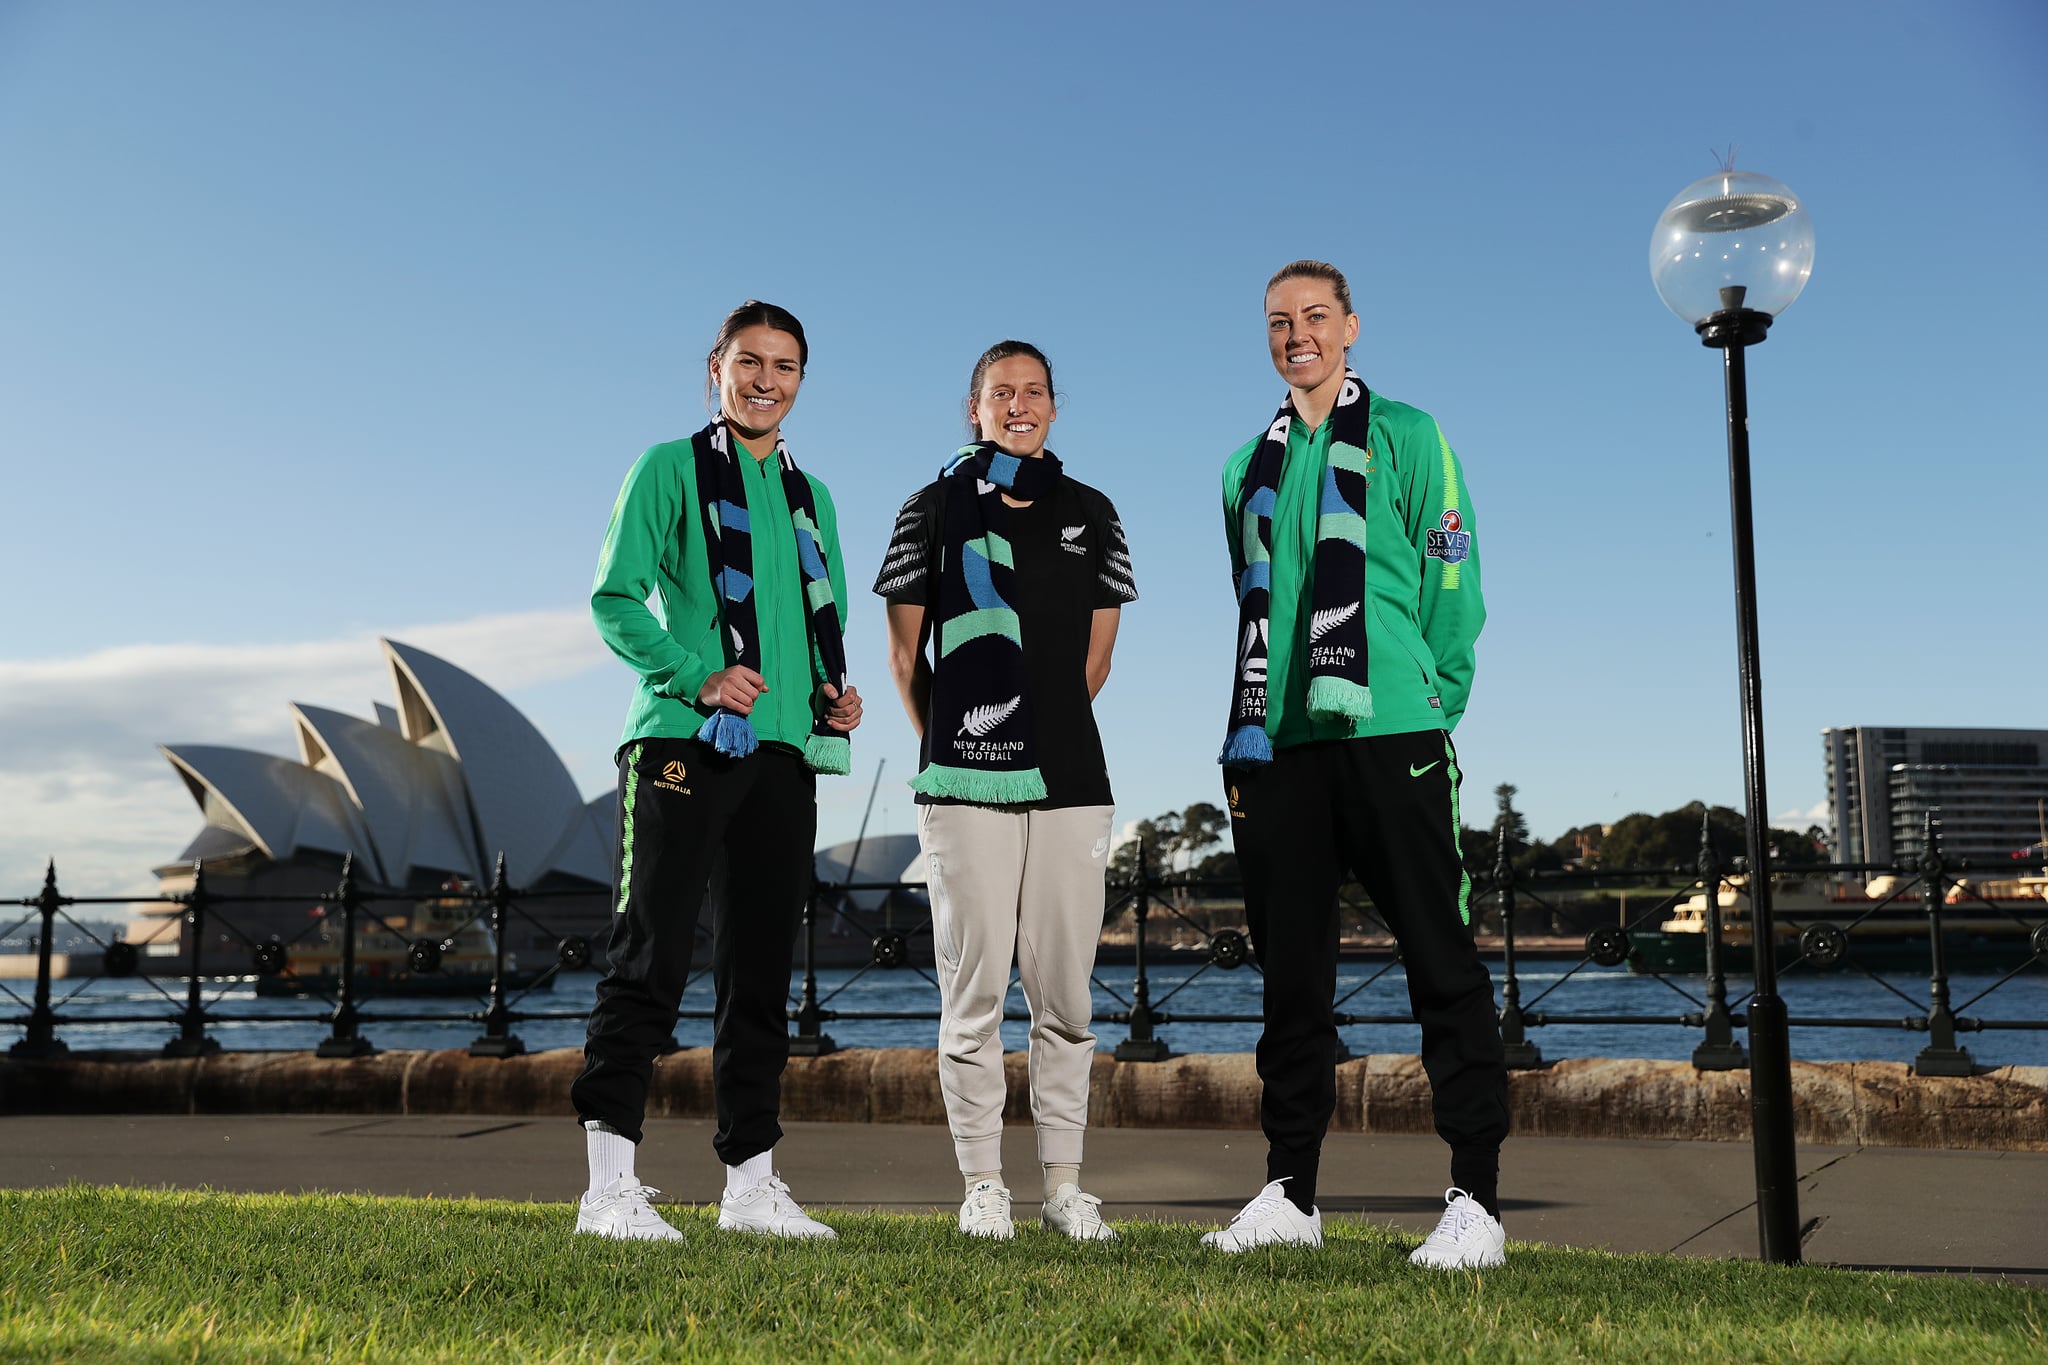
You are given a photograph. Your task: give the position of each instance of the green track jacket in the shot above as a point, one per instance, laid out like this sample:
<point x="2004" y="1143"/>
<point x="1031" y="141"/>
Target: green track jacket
<point x="1422" y="577"/>
<point x="655" y="548"/>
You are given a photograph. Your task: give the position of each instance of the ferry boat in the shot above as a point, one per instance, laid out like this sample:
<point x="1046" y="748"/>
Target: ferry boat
<point x="1836" y="926"/>
<point x="442" y="946"/>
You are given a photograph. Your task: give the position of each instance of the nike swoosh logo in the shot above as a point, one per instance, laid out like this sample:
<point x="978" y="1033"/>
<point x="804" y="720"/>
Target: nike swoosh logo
<point x="1414" y="771"/>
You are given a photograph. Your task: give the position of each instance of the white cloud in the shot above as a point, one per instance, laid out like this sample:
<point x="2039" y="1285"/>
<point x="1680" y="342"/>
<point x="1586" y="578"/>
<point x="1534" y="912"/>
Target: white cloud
<point x="80" y="778"/>
<point x="1816" y="814"/>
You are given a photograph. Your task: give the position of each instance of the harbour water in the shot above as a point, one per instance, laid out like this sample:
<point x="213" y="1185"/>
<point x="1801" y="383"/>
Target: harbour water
<point x="1372" y="990"/>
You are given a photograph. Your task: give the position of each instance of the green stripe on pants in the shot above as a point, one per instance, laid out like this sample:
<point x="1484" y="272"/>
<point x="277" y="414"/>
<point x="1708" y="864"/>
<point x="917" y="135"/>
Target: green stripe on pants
<point x="1457" y="824"/>
<point x="626" y="829"/>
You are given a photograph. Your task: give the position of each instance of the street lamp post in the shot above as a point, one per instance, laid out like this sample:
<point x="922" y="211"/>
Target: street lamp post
<point x="1729" y="254"/>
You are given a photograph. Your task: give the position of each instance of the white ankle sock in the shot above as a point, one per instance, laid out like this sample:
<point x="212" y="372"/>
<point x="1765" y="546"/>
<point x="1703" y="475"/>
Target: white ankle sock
<point x="1057" y="1175"/>
<point x="974" y="1178"/>
<point x="611" y="1155"/>
<point x="755" y="1170"/>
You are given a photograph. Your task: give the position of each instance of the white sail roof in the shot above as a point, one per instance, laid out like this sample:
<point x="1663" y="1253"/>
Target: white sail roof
<point x="412" y="799"/>
<point x="439" y="784"/>
<point x="525" y="803"/>
<point x="281" y="806"/>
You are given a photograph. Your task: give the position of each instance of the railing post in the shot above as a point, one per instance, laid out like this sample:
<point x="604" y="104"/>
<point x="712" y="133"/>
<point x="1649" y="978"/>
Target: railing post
<point x="1718" y="1051"/>
<point x="1519" y="1053"/>
<point x="344" y="1041"/>
<point x="41" y="1040"/>
<point x="497" y="1039"/>
<point x="1941" y="1056"/>
<point x="192" y="1040"/>
<point x="809" y="1041"/>
<point x="1141" y="1046"/>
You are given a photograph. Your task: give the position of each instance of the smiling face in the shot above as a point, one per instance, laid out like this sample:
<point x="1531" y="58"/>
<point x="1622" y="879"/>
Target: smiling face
<point x="757" y="376"/>
<point x="1014" y="407"/>
<point x="1307" y="331"/>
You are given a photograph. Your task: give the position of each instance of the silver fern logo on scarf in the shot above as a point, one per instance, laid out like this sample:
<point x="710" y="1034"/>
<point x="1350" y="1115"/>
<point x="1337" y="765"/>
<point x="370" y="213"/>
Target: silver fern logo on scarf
<point x="982" y="719"/>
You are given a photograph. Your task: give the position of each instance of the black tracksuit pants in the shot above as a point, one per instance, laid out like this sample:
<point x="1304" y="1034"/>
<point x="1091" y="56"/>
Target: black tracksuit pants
<point x="1386" y="809"/>
<point x="685" y="812"/>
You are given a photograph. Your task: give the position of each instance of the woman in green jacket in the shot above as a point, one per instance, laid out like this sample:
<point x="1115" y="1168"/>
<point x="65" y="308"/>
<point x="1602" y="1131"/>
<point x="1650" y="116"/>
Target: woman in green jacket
<point x="742" y="700"/>
<point x="1353" y="549"/>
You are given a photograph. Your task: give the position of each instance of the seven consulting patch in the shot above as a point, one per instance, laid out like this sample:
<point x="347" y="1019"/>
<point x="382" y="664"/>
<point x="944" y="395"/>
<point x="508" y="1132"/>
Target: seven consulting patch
<point x="1448" y="540"/>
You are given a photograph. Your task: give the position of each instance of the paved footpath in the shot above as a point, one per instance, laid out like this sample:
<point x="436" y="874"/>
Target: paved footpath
<point x="1871" y="1208"/>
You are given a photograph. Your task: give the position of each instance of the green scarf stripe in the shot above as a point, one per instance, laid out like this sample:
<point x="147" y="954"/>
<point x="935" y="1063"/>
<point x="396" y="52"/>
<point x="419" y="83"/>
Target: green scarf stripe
<point x="1341" y="526"/>
<point x="626" y="829"/>
<point x="996" y="550"/>
<point x="975" y="624"/>
<point x="1457" y="843"/>
<point x="1344" y="455"/>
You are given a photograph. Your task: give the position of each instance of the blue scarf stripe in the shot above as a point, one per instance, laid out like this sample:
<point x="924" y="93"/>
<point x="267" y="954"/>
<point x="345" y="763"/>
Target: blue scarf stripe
<point x="981" y="585"/>
<point x="1255" y="576"/>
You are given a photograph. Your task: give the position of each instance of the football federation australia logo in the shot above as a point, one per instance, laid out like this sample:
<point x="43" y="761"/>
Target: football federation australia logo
<point x="1449" y="540"/>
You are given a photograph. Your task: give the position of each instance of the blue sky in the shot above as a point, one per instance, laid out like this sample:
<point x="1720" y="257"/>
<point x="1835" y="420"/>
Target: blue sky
<point x="324" y="322"/>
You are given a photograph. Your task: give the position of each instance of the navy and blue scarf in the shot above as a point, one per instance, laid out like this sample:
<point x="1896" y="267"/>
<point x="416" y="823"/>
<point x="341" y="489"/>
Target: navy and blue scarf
<point x="979" y="729"/>
<point x="729" y="543"/>
<point x="1338" y="686"/>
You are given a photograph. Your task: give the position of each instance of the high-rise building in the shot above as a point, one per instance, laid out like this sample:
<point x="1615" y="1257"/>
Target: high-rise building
<point x="1987" y="789"/>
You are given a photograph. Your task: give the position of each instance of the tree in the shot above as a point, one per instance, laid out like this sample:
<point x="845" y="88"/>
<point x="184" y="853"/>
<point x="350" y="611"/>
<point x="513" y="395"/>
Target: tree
<point x="1201" y="827"/>
<point x="1148" y="834"/>
<point x="1510" y="820"/>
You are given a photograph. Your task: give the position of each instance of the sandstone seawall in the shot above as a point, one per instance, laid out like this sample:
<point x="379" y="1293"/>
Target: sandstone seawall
<point x="1880" y="1104"/>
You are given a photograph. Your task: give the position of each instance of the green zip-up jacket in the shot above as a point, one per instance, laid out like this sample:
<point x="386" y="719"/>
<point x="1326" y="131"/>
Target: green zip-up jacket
<point x="654" y="548"/>
<point x="1421" y="573"/>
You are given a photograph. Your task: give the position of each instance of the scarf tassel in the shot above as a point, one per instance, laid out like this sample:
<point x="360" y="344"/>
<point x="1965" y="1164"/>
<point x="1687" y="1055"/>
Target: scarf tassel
<point x="1334" y="698"/>
<point x="832" y="754"/>
<point x="730" y="733"/>
<point x="984" y="788"/>
<point x="1247" y="747"/>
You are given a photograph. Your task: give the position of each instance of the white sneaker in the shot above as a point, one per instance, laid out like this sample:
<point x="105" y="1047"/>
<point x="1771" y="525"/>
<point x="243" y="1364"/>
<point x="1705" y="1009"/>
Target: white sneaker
<point x="1268" y="1220"/>
<point x="1467" y="1237"/>
<point x="987" y="1212"/>
<point x="1075" y="1214"/>
<point x="767" y="1209"/>
<point x="621" y="1210"/>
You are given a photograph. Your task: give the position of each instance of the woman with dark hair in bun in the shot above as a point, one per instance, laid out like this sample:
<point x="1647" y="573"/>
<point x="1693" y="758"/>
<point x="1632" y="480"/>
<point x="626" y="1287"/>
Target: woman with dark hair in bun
<point x="742" y="701"/>
<point x="1015" y="573"/>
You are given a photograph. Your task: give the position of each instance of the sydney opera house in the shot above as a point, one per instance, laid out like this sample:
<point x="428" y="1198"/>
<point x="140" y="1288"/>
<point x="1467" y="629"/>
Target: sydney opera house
<point x="431" y="790"/>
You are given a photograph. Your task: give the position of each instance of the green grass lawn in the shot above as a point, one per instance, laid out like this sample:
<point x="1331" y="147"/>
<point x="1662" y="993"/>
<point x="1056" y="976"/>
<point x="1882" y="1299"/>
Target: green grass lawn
<point x="105" y="1274"/>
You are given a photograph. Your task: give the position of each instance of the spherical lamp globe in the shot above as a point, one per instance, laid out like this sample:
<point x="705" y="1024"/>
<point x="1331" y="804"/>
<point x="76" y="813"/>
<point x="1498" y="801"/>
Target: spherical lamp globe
<point x="1731" y="240"/>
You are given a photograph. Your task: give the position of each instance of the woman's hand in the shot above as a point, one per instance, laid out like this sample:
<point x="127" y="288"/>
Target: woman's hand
<point x="844" y="711"/>
<point x="734" y="689"/>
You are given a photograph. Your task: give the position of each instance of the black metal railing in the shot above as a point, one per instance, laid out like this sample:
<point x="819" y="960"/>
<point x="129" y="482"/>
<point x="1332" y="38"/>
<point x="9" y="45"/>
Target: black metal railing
<point x="353" y="1005"/>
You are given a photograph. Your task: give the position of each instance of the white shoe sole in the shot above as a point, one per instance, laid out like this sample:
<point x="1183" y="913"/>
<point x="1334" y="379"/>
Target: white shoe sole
<point x="1484" y="1261"/>
<point x="584" y="1229"/>
<point x="821" y="1233"/>
<point x="1238" y="1249"/>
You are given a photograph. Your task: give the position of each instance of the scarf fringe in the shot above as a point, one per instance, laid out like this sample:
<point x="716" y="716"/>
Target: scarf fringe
<point x="1333" y="698"/>
<point x="1014" y="788"/>
<point x="831" y="754"/>
<point x="730" y="733"/>
<point x="1247" y="747"/>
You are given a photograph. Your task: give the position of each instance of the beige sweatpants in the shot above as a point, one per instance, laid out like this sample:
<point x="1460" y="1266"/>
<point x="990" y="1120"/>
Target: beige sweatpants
<point x="1023" y="886"/>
